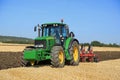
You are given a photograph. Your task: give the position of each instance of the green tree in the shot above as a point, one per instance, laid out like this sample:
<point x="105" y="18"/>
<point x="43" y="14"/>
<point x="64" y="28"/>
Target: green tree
<point x="96" y="43"/>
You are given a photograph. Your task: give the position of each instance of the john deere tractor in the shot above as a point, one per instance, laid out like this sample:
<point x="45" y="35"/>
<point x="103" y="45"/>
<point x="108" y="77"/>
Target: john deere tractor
<point x="54" y="43"/>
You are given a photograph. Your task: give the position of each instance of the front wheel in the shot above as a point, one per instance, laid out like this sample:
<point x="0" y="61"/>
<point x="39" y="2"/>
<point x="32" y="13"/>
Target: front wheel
<point x="57" y="56"/>
<point x="74" y="53"/>
<point x="24" y="63"/>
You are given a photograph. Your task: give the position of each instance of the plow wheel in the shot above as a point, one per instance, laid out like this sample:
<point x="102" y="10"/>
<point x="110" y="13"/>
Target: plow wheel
<point x="74" y="53"/>
<point x="57" y="56"/>
<point x="96" y="59"/>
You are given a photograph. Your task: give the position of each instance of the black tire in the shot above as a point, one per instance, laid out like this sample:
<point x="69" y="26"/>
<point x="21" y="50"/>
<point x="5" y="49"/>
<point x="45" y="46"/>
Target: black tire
<point x="55" y="57"/>
<point x="24" y="63"/>
<point x="74" y="61"/>
<point x="96" y="59"/>
<point x="87" y="60"/>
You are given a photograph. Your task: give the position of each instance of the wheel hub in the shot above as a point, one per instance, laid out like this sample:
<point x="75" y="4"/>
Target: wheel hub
<point x="61" y="57"/>
<point x="75" y="53"/>
<point x="32" y="63"/>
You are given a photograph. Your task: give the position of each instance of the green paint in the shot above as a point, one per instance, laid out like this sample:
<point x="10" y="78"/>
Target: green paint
<point x="66" y="45"/>
<point x="44" y="38"/>
<point x="36" y="54"/>
<point x="30" y="55"/>
<point x="39" y="53"/>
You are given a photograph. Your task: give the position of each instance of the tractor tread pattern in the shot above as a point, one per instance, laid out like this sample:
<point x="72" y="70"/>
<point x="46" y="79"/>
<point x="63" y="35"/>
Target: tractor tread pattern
<point x="55" y="56"/>
<point x="72" y="62"/>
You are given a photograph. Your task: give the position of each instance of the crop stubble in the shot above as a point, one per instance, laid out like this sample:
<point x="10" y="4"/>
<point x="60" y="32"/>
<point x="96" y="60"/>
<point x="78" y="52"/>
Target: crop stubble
<point x="105" y="70"/>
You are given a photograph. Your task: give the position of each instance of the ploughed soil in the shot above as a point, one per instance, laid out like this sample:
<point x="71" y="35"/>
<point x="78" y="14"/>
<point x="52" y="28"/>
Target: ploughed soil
<point x="12" y="59"/>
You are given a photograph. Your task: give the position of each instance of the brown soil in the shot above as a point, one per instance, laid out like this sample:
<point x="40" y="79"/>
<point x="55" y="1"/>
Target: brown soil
<point x="12" y="59"/>
<point x="9" y="59"/>
<point x="108" y="55"/>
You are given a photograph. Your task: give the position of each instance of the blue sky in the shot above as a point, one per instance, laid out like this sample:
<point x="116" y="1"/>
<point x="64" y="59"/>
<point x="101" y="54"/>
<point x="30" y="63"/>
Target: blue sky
<point x="88" y="19"/>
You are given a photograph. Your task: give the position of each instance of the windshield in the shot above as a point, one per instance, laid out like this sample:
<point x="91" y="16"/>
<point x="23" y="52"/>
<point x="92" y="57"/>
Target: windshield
<point x="51" y="31"/>
<point x="64" y="32"/>
<point x="54" y="31"/>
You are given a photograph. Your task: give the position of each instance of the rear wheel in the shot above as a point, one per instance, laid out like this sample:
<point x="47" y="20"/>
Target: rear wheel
<point x="57" y="56"/>
<point x="74" y="53"/>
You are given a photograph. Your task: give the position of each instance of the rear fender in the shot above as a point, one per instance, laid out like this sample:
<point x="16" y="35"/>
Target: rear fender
<point x="67" y="45"/>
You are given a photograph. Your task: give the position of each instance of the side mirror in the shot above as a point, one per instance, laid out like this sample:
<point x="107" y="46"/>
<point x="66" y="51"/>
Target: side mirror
<point x="35" y="29"/>
<point x="71" y="34"/>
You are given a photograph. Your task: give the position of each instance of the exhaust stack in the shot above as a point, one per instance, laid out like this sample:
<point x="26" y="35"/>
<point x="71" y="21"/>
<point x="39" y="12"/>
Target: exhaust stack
<point x="39" y="28"/>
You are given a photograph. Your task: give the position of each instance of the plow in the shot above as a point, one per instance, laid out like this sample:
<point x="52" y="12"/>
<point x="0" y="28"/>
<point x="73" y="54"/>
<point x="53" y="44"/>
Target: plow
<point x="88" y="56"/>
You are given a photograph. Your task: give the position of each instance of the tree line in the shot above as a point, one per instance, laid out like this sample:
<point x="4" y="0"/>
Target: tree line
<point x="99" y="44"/>
<point x="18" y="40"/>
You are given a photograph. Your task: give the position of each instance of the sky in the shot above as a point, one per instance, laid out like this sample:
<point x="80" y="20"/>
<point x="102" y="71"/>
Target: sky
<point x="89" y="19"/>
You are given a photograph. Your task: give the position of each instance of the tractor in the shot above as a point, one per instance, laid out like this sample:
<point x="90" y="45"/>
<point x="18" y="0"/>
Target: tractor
<point x="54" y="43"/>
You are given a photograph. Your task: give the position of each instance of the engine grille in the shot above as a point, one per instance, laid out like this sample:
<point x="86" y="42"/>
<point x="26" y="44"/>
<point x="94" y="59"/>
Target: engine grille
<point x="40" y="44"/>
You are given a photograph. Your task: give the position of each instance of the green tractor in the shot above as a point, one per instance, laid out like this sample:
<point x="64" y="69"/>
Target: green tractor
<point x="54" y="43"/>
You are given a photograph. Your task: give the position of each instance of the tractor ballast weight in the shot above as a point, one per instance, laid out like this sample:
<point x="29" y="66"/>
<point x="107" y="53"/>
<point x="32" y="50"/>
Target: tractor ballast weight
<point x="55" y="43"/>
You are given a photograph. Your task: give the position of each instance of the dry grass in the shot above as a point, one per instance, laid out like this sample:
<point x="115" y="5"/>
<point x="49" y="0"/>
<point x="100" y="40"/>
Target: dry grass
<point x="106" y="70"/>
<point x="5" y="47"/>
<point x="11" y="48"/>
<point x="106" y="49"/>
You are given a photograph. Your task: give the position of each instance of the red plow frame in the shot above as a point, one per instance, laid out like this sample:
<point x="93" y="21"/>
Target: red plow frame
<point x="88" y="56"/>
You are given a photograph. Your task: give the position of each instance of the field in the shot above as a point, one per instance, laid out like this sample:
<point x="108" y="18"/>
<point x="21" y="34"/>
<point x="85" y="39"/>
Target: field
<point x="107" y="69"/>
<point x="4" y="47"/>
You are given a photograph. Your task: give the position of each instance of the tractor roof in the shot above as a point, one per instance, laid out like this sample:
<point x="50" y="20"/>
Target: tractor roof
<point x="52" y="24"/>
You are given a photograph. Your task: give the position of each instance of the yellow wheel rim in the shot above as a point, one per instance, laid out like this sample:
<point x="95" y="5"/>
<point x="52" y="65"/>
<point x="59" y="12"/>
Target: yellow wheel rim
<point x="32" y="63"/>
<point x="61" y="57"/>
<point x="75" y="53"/>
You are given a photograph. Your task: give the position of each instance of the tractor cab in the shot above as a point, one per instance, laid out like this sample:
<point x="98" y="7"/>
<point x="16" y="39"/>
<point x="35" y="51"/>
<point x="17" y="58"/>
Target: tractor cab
<point x="57" y="30"/>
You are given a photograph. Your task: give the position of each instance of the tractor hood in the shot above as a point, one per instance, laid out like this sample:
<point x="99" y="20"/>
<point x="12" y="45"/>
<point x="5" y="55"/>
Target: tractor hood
<point x="42" y="46"/>
<point x="44" y="42"/>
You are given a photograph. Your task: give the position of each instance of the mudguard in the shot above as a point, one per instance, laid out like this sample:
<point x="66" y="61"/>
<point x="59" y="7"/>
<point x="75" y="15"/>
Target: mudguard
<point x="67" y="45"/>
